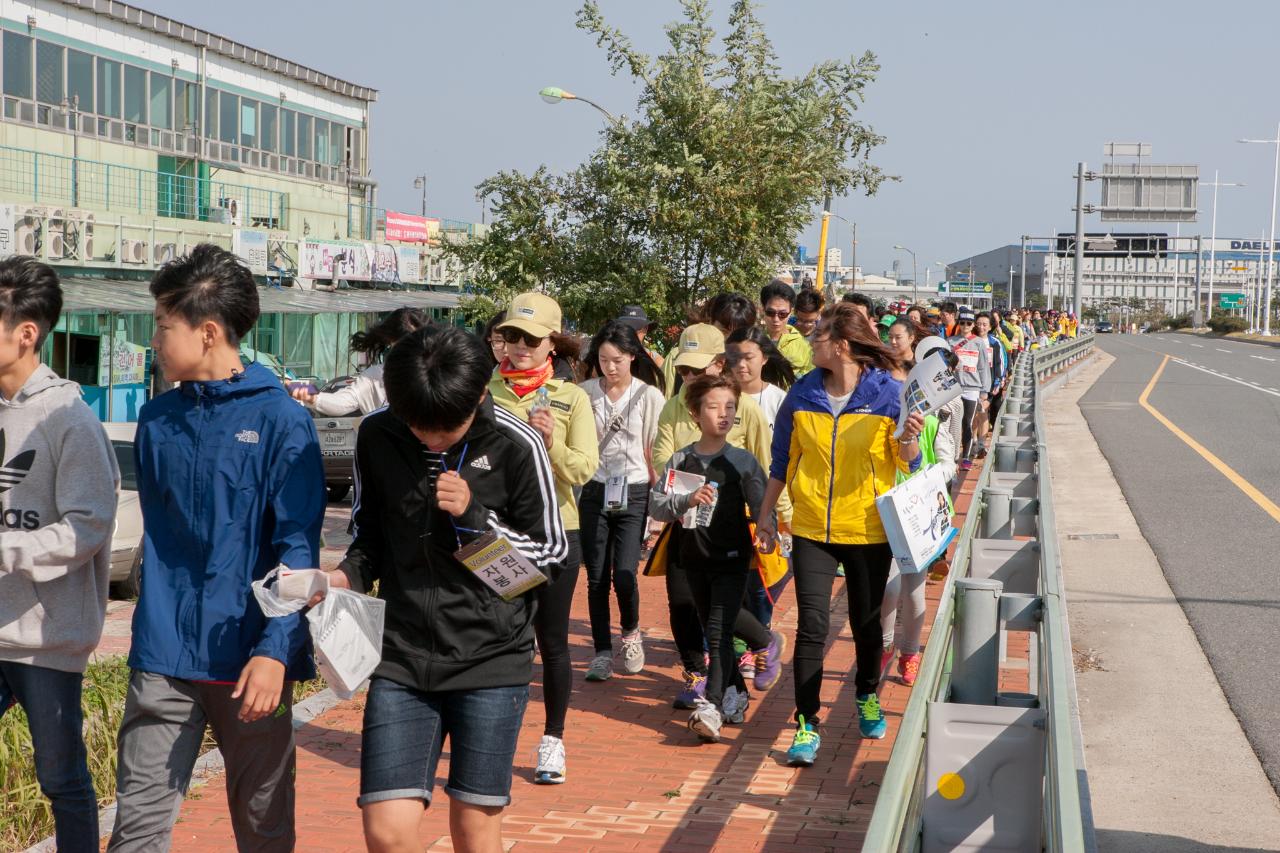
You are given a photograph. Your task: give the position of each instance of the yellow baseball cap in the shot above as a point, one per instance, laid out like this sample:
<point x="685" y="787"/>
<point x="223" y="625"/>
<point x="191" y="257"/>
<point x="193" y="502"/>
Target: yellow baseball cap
<point x="534" y="313"/>
<point x="699" y="345"/>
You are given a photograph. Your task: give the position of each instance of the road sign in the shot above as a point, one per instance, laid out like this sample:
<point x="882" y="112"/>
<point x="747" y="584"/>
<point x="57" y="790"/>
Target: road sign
<point x="1148" y="193"/>
<point x="1230" y="300"/>
<point x="964" y="287"/>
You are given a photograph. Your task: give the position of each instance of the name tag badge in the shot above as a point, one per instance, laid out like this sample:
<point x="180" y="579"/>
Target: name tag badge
<point x="497" y="563"/>
<point x="615" y="493"/>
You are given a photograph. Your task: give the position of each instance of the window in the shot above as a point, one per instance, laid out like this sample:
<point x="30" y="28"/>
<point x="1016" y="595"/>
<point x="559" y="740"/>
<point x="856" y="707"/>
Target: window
<point x="161" y="84"/>
<point x="304" y="136"/>
<point x="17" y="65"/>
<point x="108" y="88"/>
<point x="249" y="123"/>
<point x="135" y="94"/>
<point x="228" y="117"/>
<point x="322" y="141"/>
<point x="210" y="112"/>
<point x="49" y="72"/>
<point x="336" y="143"/>
<point x="288" y="122"/>
<point x="80" y="80"/>
<point x="267" y="133"/>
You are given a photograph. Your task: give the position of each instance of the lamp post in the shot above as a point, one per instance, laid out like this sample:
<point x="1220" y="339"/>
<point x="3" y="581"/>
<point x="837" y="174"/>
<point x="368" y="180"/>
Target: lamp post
<point x="420" y="183"/>
<point x="853" y="258"/>
<point x="1213" y="235"/>
<point x="946" y="275"/>
<point x="554" y="95"/>
<point x="1271" y="243"/>
<point x="914" y="283"/>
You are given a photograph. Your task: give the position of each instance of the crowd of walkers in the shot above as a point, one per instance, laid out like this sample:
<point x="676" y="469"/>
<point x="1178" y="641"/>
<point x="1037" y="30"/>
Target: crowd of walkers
<point x="761" y="438"/>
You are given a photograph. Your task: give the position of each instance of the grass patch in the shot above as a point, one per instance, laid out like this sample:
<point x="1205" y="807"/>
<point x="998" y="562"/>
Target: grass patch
<point x="25" y="815"/>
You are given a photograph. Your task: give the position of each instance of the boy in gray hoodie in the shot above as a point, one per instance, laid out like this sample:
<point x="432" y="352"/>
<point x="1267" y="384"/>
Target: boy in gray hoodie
<point x="58" y="482"/>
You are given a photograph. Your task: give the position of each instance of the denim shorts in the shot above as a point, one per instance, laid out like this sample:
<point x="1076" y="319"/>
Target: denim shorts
<point x="404" y="733"/>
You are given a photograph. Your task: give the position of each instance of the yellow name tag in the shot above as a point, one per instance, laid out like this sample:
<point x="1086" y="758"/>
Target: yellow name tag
<point x="496" y="562"/>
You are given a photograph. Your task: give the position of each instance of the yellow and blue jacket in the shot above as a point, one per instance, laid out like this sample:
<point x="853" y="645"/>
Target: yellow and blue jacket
<point x="835" y="465"/>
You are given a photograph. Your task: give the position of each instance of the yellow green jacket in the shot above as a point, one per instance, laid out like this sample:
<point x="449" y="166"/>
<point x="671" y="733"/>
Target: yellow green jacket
<point x="575" y="449"/>
<point x="835" y="465"/>
<point x="797" y="350"/>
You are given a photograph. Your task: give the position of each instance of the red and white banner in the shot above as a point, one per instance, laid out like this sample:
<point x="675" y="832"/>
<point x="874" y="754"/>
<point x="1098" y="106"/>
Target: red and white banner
<point x="407" y="228"/>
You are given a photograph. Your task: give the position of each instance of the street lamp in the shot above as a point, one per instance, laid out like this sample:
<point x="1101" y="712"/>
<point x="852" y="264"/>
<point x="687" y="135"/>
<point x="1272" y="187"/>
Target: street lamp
<point x="554" y="95"/>
<point x="914" y="283"/>
<point x="946" y="274"/>
<point x="1213" y="235"/>
<point x="1271" y="243"/>
<point x="420" y="183"/>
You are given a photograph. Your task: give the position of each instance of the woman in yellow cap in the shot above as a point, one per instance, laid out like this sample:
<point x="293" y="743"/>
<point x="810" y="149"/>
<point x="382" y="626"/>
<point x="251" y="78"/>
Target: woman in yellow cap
<point x="560" y="412"/>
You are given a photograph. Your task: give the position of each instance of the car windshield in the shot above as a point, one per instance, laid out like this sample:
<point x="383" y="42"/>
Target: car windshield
<point x="128" y="471"/>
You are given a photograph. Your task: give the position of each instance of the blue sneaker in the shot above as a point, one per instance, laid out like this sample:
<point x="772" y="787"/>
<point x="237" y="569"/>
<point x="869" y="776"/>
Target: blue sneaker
<point x="804" y="748"/>
<point x="870" y="720"/>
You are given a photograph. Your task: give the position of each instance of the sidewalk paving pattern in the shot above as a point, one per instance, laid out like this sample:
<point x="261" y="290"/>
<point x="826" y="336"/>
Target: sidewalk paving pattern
<point x="638" y="779"/>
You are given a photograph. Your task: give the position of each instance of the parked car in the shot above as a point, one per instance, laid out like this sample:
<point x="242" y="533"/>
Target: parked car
<point x="1105" y="327"/>
<point x="338" y="444"/>
<point x="126" y="540"/>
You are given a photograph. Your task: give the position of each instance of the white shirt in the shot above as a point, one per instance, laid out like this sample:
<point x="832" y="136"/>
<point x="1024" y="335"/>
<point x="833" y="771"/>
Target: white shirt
<point x="636" y="416"/>
<point x="838" y="403"/>
<point x="770" y="400"/>
<point x="366" y="393"/>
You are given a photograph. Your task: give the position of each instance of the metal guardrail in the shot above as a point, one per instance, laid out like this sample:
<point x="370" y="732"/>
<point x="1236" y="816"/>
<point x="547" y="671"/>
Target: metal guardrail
<point x="897" y="821"/>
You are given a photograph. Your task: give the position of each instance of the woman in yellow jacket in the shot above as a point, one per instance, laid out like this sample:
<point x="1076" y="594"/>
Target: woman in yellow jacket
<point x="560" y="412"/>
<point x="834" y="451"/>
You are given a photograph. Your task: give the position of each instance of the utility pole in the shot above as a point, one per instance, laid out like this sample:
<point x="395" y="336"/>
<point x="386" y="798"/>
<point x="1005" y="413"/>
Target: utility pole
<point x="822" y="251"/>
<point x="1079" y="238"/>
<point x="853" y="257"/>
<point x="1197" y="316"/>
<point x="1022" y="286"/>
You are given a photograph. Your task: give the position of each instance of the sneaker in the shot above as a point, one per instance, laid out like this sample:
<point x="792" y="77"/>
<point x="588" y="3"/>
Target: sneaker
<point x="734" y="705"/>
<point x="768" y="662"/>
<point x="804" y="747"/>
<point x="705" y="722"/>
<point x="747" y="665"/>
<point x="601" y="667"/>
<point x="886" y="657"/>
<point x="633" y="652"/>
<point x="550" y="770"/>
<point x="966" y="465"/>
<point x="695" y="688"/>
<point x="909" y="668"/>
<point x="840" y="571"/>
<point x="870" y="720"/>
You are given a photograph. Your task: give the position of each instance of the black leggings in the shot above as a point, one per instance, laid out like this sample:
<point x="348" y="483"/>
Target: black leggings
<point x="718" y="596"/>
<point x="551" y="627"/>
<point x="611" y="543"/>
<point x="866" y="569"/>
<point x="966" y="432"/>
<point x="686" y="628"/>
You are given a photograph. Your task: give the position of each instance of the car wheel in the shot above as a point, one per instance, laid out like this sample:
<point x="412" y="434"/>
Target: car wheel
<point x="337" y="491"/>
<point x="131" y="587"/>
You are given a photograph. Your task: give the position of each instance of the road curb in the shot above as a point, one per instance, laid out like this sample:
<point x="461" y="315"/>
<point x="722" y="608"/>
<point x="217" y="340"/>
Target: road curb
<point x="208" y="765"/>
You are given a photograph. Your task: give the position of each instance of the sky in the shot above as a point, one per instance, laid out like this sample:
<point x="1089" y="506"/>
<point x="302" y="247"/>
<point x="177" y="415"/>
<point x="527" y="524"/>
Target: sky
<point x="987" y="106"/>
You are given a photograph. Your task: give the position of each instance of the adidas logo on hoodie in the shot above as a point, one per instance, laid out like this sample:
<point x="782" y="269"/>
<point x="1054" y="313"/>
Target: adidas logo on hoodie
<point x="482" y="463"/>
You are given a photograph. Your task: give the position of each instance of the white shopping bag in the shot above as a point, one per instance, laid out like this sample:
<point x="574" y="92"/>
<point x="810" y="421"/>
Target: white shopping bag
<point x="346" y="627"/>
<point x="917" y="519"/>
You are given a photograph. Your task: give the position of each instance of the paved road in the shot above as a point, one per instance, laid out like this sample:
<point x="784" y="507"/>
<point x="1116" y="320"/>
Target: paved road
<point x="1219" y="547"/>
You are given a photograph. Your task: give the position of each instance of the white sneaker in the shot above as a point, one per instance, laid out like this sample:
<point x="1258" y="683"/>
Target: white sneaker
<point x="550" y="770"/>
<point x="633" y="652"/>
<point x="705" y="721"/>
<point x="601" y="667"/>
<point x="734" y="705"/>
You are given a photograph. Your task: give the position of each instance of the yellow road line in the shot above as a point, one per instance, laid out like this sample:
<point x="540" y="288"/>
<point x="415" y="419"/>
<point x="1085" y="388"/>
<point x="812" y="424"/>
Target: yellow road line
<point x="1268" y="506"/>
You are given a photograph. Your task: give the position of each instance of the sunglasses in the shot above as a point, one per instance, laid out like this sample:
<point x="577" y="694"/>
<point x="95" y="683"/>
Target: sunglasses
<point x="511" y="335"/>
<point x="777" y="315"/>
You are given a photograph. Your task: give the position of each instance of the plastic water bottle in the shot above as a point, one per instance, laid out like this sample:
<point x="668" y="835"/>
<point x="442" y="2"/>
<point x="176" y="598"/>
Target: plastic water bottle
<point x="707" y="510"/>
<point x="541" y="400"/>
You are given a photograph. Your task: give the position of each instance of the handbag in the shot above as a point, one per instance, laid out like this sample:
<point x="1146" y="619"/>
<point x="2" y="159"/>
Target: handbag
<point x="656" y="565"/>
<point x="916" y="515"/>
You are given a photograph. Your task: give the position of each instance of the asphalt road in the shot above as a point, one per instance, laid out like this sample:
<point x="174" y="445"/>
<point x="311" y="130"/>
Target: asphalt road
<point x="1219" y="549"/>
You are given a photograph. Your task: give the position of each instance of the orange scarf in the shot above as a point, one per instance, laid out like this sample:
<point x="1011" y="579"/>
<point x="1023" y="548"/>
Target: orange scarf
<point x="525" y="382"/>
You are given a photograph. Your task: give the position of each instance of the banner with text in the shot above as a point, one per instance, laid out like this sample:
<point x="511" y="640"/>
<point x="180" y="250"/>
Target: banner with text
<point x="407" y="228"/>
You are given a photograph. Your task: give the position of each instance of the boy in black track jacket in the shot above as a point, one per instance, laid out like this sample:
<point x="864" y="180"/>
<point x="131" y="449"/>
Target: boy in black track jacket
<point x="437" y="469"/>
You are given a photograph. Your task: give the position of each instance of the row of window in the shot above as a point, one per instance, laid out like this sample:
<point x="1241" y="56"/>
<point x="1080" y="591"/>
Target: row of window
<point x="51" y="74"/>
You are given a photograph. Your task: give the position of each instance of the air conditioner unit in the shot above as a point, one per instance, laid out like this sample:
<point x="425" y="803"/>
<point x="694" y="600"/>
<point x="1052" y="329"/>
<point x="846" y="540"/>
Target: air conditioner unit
<point x="162" y="253"/>
<point x="56" y="229"/>
<point x="28" y="231"/>
<point x="86" y="236"/>
<point x="134" y="251"/>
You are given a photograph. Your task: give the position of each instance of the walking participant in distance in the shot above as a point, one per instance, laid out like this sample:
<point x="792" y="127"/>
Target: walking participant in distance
<point x="998" y="358"/>
<point x="808" y="312"/>
<point x="439" y="468"/>
<point x="560" y="412"/>
<point x="59" y="480"/>
<point x="626" y="400"/>
<point x="366" y="393"/>
<point x="778" y="300"/>
<point x="231" y="484"/>
<point x="834" y="446"/>
<point x="635" y="317"/>
<point x="718" y="552"/>
<point x="974" y="370"/>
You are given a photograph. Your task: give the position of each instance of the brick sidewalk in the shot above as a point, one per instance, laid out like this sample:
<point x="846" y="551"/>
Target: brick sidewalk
<point x="638" y="778"/>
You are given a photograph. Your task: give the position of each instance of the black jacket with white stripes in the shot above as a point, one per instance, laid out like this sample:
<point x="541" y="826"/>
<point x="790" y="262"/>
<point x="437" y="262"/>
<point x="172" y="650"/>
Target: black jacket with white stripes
<point x="445" y="629"/>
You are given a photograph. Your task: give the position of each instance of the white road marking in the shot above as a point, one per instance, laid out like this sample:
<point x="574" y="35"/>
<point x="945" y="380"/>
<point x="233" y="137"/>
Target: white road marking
<point x="1273" y="392"/>
<point x="1198" y="345"/>
<point x="1263" y="357"/>
<point x="1220" y="349"/>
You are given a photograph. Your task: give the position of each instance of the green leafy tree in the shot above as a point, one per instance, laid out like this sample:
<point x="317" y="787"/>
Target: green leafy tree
<point x="705" y="191"/>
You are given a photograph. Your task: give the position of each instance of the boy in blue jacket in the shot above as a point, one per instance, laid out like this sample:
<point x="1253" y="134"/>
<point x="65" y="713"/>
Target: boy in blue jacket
<point x="231" y="484"/>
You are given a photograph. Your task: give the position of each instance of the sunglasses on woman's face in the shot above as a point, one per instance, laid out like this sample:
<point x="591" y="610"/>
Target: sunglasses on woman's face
<point x="511" y="335"/>
<point x="777" y="315"/>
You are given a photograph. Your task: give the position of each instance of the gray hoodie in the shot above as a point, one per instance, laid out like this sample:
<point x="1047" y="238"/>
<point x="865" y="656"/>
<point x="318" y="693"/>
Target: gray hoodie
<point x="58" y="484"/>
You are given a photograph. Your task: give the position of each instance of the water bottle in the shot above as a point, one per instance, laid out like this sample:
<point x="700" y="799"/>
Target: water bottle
<point x="705" y="511"/>
<point x="541" y="400"/>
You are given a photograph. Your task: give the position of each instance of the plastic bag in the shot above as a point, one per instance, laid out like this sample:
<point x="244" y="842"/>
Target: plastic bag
<point x="345" y="628"/>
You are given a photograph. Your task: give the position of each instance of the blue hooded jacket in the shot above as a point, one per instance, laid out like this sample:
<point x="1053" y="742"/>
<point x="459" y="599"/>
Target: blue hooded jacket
<point x="231" y="483"/>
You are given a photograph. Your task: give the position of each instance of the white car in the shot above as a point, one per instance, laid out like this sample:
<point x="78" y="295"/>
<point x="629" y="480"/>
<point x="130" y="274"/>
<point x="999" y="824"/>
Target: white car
<point x="126" y="541"/>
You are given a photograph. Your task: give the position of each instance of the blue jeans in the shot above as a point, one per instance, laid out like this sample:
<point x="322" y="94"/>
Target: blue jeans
<point x="51" y="699"/>
<point x="404" y="732"/>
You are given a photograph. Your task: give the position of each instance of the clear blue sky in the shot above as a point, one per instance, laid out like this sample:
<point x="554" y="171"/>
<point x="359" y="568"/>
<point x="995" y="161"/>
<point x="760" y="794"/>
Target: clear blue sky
<point x="987" y="106"/>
